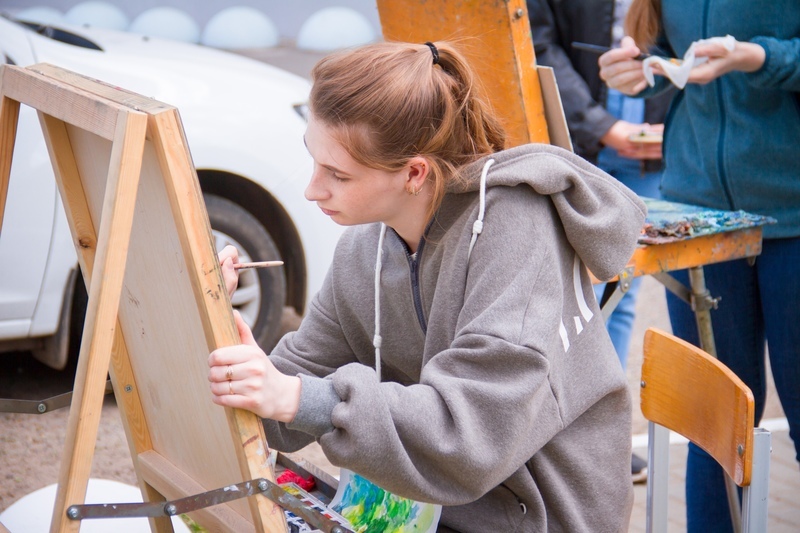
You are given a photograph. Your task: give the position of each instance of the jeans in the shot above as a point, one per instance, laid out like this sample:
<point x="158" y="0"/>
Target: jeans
<point x="629" y="172"/>
<point x="758" y="303"/>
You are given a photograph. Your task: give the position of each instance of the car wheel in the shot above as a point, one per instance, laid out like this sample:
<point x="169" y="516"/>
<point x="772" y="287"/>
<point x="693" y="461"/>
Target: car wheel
<point x="261" y="294"/>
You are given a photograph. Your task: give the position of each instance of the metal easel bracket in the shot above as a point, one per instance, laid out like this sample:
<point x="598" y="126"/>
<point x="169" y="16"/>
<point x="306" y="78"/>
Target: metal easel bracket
<point x="40" y="407"/>
<point x="274" y="492"/>
<point x="702" y="301"/>
<point x="614" y="292"/>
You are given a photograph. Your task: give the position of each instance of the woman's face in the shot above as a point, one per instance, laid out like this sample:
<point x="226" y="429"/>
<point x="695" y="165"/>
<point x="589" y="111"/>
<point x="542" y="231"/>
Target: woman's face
<point x="347" y="191"/>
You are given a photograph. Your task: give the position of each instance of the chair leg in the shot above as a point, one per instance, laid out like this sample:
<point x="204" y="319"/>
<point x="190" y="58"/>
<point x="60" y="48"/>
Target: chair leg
<point x="732" y="492"/>
<point x="657" y="477"/>
<point x="756" y="496"/>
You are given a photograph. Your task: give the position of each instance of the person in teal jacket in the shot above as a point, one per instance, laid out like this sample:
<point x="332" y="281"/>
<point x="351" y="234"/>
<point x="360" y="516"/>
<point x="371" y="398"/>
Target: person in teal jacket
<point x="731" y="139"/>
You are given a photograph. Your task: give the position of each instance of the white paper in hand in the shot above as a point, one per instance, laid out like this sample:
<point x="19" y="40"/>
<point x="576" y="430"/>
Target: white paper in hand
<point x="678" y="70"/>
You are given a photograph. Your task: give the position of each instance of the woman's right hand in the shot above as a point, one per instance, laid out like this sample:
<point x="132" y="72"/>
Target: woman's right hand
<point x="620" y="70"/>
<point x="228" y="257"/>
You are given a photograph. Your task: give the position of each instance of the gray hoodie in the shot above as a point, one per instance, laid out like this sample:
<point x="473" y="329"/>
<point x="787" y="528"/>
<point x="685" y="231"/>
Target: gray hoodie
<point x="501" y="395"/>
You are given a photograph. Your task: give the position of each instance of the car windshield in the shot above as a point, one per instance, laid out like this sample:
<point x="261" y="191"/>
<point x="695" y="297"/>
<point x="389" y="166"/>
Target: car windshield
<point x="58" y="34"/>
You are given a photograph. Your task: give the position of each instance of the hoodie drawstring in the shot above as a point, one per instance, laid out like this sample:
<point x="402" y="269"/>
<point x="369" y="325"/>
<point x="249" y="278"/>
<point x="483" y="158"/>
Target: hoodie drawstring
<point x="376" y="340"/>
<point x="477" y="226"/>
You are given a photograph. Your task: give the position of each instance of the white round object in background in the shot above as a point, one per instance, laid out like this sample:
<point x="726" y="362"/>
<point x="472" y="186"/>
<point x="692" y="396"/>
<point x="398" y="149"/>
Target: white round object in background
<point x="40" y="14"/>
<point x="240" y="27"/>
<point x="167" y="23"/>
<point x="97" y="15"/>
<point x="32" y="513"/>
<point x="333" y="28"/>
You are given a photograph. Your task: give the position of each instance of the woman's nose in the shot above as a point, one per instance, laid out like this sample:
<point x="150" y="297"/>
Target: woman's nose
<point x="315" y="191"/>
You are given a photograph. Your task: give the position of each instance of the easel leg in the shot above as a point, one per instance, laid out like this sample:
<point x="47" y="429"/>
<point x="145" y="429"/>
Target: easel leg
<point x="702" y="312"/>
<point x="101" y="318"/>
<point x="9" y="115"/>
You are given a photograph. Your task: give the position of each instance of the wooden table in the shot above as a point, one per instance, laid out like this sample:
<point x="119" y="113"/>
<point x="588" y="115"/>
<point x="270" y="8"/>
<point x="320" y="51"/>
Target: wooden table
<point x="679" y="236"/>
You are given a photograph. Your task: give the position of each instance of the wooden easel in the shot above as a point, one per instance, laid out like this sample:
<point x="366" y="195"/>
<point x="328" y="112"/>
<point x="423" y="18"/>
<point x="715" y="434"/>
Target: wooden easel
<point x="157" y="303"/>
<point x="495" y="36"/>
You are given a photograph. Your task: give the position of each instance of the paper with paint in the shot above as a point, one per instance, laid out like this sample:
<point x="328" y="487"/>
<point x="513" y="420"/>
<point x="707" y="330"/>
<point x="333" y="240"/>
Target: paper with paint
<point x="370" y="509"/>
<point x="672" y="221"/>
<point x="677" y="70"/>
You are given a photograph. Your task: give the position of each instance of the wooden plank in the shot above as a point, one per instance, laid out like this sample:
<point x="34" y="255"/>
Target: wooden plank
<point x="9" y="117"/>
<point x="188" y="210"/>
<point x="101" y="317"/>
<point x="118" y="95"/>
<point x="697" y="251"/>
<point x="693" y="394"/>
<point x="148" y="372"/>
<point x="59" y="100"/>
<point x="173" y="483"/>
<point x="495" y="36"/>
<point x="557" y="128"/>
<point x="83" y="231"/>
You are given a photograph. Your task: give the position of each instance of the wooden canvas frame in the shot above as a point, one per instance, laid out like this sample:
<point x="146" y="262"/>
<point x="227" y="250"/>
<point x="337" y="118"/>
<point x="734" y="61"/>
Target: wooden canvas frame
<point x="495" y="37"/>
<point x="157" y="303"/>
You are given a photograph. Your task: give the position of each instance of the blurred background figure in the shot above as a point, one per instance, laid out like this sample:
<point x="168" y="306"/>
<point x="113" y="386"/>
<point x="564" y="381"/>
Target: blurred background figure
<point x="602" y="121"/>
<point x="731" y="142"/>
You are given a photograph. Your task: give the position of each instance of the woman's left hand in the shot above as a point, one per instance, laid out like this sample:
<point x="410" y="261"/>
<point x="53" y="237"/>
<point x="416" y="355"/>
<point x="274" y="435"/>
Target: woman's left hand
<point x="745" y="57"/>
<point x="243" y="377"/>
<point x="228" y="257"/>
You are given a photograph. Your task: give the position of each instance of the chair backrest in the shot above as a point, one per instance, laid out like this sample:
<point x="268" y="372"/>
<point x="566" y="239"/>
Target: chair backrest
<point x="691" y="393"/>
<point x="686" y="390"/>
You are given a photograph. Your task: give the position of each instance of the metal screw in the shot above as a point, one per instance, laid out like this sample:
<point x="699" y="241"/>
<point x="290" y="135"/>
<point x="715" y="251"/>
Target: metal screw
<point x="170" y="509"/>
<point x="72" y="513"/>
<point x="518" y="13"/>
<point x="262" y="485"/>
<point x="740" y="450"/>
<point x="128" y="388"/>
<point x="337" y="529"/>
<point x="41" y="408"/>
<point x="642" y="384"/>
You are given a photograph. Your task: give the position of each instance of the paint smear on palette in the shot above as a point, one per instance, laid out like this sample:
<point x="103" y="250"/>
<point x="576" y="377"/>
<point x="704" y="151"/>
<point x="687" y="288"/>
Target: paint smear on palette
<point x="672" y="221"/>
<point x="370" y="509"/>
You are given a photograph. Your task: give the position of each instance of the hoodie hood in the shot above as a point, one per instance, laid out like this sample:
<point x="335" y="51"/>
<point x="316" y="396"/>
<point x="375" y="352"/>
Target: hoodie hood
<point x="601" y="217"/>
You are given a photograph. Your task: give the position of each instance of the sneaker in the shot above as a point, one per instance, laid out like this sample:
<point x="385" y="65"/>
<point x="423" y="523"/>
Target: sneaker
<point x="638" y="469"/>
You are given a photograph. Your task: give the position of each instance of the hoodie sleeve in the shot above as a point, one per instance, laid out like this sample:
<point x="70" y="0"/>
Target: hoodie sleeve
<point x="312" y="352"/>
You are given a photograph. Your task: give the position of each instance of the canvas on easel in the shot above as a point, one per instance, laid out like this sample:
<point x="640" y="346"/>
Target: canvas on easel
<point x="157" y="303"/>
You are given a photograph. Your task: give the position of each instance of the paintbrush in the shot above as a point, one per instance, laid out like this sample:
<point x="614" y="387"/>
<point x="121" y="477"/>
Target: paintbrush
<point x="597" y="49"/>
<point x="257" y="264"/>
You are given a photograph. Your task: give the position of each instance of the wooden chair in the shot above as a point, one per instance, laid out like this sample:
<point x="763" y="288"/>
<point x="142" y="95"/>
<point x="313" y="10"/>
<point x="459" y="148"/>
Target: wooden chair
<point x="685" y="390"/>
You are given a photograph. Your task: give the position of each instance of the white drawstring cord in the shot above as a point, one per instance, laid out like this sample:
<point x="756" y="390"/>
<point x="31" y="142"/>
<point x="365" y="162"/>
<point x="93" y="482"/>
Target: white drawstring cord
<point x="376" y="340"/>
<point x="477" y="226"/>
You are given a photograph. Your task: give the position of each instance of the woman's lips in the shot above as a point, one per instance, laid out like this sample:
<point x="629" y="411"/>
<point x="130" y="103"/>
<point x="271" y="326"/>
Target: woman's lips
<point x="328" y="211"/>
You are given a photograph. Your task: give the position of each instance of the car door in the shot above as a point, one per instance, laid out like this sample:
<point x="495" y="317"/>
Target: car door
<point x="30" y="206"/>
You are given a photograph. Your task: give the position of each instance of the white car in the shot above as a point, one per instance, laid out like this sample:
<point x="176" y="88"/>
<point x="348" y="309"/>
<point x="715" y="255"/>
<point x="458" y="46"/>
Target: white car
<point x="244" y="124"/>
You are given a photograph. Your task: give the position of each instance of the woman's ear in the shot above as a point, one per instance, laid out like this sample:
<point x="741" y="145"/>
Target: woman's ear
<point x="417" y="171"/>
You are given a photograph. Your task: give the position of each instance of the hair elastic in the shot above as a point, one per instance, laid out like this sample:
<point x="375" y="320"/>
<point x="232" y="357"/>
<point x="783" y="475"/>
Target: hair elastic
<point x="434" y="51"/>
